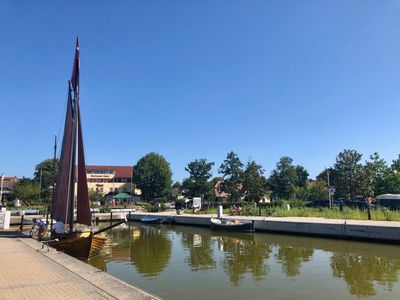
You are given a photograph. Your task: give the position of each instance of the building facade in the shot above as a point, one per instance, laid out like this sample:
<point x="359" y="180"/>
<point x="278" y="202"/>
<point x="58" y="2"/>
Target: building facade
<point x="110" y="180"/>
<point x="8" y="184"/>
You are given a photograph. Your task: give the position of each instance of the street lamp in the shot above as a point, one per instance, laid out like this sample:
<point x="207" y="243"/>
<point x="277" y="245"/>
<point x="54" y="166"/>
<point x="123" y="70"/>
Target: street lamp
<point x="1" y="189"/>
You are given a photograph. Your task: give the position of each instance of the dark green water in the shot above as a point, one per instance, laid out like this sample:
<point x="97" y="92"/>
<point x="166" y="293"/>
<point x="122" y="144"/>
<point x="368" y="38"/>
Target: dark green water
<point x="181" y="262"/>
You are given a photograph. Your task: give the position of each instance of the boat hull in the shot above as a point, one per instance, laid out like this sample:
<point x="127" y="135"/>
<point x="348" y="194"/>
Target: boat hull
<point x="80" y="246"/>
<point x="152" y="220"/>
<point x="228" y="225"/>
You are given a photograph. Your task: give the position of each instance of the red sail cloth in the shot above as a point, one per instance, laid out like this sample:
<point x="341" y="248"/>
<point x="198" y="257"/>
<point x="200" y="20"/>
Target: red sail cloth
<point x="59" y="209"/>
<point x="75" y="70"/>
<point x="83" y="215"/>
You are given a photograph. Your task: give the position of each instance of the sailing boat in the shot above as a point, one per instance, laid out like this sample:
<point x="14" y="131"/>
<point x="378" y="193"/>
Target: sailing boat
<point x="72" y="169"/>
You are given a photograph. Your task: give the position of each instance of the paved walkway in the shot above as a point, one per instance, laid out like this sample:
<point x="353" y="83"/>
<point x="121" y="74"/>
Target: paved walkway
<point x="28" y="272"/>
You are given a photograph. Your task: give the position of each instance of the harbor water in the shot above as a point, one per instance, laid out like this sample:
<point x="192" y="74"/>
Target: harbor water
<point x="184" y="262"/>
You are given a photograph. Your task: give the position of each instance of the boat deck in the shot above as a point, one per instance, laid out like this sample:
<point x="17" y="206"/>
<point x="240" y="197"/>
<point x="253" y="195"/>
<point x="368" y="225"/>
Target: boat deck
<point x="29" y="272"/>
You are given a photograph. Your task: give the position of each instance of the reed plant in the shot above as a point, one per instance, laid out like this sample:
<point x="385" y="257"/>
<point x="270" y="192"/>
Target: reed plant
<point x="335" y="213"/>
<point x="377" y="214"/>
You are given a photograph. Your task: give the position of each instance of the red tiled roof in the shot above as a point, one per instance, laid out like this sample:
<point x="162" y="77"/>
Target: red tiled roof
<point x="120" y="171"/>
<point x="10" y="178"/>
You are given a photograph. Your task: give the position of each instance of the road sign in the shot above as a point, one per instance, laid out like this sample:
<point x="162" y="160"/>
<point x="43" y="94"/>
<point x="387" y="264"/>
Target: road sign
<point x="332" y="190"/>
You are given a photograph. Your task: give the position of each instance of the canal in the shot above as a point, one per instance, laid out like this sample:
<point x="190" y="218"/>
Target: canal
<point x="183" y="262"/>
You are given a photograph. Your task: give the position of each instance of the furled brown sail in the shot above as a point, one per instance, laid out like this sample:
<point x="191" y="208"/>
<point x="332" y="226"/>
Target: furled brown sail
<point x="78" y="244"/>
<point x="83" y="214"/>
<point x="64" y="198"/>
<point x="60" y="205"/>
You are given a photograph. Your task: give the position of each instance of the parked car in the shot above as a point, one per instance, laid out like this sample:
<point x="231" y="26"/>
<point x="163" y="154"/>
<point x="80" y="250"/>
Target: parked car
<point x="388" y="201"/>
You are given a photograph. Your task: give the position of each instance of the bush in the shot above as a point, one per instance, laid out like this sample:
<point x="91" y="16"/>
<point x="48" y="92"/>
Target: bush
<point x="145" y="205"/>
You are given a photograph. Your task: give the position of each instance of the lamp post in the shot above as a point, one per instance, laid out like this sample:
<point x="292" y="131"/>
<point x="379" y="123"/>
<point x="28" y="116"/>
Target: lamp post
<point x="1" y="189"/>
<point x="329" y="191"/>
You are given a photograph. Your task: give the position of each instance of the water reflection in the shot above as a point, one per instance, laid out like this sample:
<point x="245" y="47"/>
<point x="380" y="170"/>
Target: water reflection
<point x="150" y="251"/>
<point x="201" y="254"/>
<point x="360" y="272"/>
<point x="207" y="257"/>
<point x="244" y="255"/>
<point x="291" y="258"/>
<point x="117" y="247"/>
<point x="98" y="262"/>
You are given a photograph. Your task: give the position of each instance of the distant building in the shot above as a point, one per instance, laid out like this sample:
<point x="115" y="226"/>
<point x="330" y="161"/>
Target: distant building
<point x="8" y="187"/>
<point x="110" y="180"/>
<point x="219" y="190"/>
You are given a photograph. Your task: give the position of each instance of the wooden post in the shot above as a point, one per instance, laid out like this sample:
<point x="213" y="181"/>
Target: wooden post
<point x="22" y="223"/>
<point x="129" y="221"/>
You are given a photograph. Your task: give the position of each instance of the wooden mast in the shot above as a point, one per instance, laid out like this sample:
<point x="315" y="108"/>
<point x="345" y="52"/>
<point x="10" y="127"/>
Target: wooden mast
<point x="83" y="214"/>
<point x="71" y="199"/>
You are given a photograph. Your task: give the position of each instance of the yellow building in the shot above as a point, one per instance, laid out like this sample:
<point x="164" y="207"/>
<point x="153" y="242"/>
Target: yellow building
<point x="110" y="180"/>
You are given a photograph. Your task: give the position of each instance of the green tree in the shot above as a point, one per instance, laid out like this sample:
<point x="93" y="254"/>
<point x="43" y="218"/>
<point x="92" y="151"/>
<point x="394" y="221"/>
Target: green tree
<point x="232" y="171"/>
<point x="301" y="185"/>
<point x="302" y="176"/>
<point x="27" y="190"/>
<point x="153" y="176"/>
<point x="254" y="182"/>
<point x="198" y="184"/>
<point x="392" y="182"/>
<point x="317" y="190"/>
<point x="46" y="173"/>
<point x="374" y="171"/>
<point x="95" y="195"/>
<point x="396" y="164"/>
<point x="349" y="174"/>
<point x="283" y="179"/>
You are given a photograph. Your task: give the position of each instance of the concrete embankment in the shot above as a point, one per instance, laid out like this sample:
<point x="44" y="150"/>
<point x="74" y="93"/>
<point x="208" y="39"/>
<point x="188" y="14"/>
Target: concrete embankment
<point x="374" y="231"/>
<point x="30" y="272"/>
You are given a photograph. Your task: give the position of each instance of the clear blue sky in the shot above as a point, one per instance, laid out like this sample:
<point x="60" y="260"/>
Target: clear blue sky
<point x="196" y="79"/>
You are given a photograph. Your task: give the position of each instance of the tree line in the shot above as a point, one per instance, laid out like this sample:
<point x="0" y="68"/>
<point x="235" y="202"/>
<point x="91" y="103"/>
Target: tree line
<point x="350" y="175"/>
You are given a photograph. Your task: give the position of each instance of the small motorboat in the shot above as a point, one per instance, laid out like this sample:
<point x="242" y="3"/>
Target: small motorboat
<point x="231" y="225"/>
<point x="152" y="219"/>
